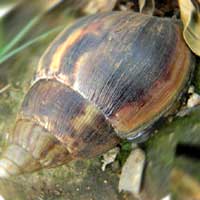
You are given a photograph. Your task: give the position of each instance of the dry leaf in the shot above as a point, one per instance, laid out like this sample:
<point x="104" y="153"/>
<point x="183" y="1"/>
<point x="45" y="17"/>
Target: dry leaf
<point x="190" y="15"/>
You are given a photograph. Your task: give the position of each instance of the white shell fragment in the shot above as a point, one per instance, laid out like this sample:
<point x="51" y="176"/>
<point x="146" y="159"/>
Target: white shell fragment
<point x="194" y="100"/>
<point x="168" y="197"/>
<point x="109" y="157"/>
<point x="132" y="171"/>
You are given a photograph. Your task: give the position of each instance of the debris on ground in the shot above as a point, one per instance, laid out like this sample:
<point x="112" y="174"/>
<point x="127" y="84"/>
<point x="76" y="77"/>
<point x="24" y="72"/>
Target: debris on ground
<point x="132" y="172"/>
<point x="194" y="100"/>
<point x="109" y="157"/>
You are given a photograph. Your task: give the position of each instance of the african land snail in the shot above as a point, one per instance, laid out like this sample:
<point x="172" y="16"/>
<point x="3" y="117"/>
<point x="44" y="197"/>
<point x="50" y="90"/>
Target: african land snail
<point x="109" y="76"/>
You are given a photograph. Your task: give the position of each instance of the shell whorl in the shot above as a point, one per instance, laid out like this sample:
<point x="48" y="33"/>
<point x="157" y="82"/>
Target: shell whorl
<point x="75" y="122"/>
<point x="131" y="66"/>
<point x="32" y="147"/>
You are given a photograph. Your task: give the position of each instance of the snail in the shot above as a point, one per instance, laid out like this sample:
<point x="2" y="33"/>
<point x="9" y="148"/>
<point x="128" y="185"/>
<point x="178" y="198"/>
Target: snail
<point x="109" y="76"/>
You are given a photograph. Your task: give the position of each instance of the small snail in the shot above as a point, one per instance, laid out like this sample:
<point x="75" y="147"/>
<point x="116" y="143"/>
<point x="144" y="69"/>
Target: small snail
<point x="109" y="76"/>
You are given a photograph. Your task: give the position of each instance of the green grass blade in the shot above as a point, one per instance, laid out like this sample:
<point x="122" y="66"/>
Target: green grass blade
<point x="20" y="35"/>
<point x="5" y="57"/>
<point x="1" y="34"/>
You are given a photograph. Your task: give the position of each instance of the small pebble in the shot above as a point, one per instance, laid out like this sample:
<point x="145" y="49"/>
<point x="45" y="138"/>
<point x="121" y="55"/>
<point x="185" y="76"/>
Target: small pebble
<point x="105" y="181"/>
<point x="194" y="100"/>
<point x="168" y="197"/>
<point x="132" y="171"/>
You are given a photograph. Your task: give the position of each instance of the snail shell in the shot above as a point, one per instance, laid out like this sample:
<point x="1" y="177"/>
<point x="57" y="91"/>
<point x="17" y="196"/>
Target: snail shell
<point x="109" y="76"/>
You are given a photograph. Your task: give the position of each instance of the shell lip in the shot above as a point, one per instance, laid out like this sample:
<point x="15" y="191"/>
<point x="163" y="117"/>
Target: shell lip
<point x="140" y="137"/>
<point x="142" y="133"/>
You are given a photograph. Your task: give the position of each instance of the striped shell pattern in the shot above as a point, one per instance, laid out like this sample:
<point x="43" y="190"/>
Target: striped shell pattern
<point x="108" y="76"/>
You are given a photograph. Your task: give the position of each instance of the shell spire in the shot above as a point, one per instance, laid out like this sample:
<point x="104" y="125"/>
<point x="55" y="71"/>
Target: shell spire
<point x="32" y="148"/>
<point x="55" y="125"/>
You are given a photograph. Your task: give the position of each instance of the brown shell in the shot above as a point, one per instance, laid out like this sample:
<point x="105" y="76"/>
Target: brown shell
<point x="131" y="66"/>
<point x="109" y="75"/>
